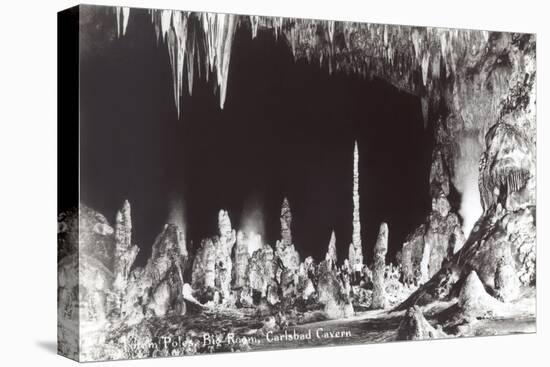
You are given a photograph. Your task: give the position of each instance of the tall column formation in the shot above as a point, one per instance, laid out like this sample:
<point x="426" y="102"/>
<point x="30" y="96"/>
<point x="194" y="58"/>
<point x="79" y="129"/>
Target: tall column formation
<point x="284" y="249"/>
<point x="223" y="248"/>
<point x="380" y="250"/>
<point x="286" y="221"/>
<point x="355" y="250"/>
<point x="125" y="253"/>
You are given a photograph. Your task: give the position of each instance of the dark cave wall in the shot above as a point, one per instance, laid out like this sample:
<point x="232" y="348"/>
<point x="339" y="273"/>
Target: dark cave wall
<point x="287" y="129"/>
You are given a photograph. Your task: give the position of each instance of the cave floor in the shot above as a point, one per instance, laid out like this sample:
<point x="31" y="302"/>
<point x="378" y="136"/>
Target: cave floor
<point x="371" y="326"/>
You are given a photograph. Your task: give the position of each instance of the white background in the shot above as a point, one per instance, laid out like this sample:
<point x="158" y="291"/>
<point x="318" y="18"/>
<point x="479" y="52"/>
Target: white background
<point x="28" y="182"/>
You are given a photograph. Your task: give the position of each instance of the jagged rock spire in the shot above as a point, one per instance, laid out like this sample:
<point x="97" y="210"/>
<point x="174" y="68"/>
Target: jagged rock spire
<point x="224" y="224"/>
<point x="125" y="253"/>
<point x="355" y="250"/>
<point x="331" y="253"/>
<point x="286" y="222"/>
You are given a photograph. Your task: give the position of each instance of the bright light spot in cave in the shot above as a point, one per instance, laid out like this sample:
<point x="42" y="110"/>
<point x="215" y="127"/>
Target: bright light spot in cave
<point x="175" y="215"/>
<point x="254" y="242"/>
<point x="252" y="222"/>
<point x="466" y="182"/>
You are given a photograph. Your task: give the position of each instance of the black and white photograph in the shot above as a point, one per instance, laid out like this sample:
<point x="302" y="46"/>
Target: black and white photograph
<point x="249" y="183"/>
<point x="320" y="184"/>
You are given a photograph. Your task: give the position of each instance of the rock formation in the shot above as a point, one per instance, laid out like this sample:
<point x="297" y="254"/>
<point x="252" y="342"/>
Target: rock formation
<point x="285" y="251"/>
<point x="380" y="250"/>
<point x="261" y="270"/>
<point x="162" y="276"/>
<point x="240" y="260"/>
<point x="331" y="293"/>
<point x="125" y="253"/>
<point x="430" y="245"/>
<point x="473" y="86"/>
<point x="204" y="265"/>
<point x="355" y="249"/>
<point x="212" y="267"/>
<point x="286" y="223"/>
<point x="247" y="244"/>
<point x="414" y="326"/>
<point x="507" y="285"/>
<point x="331" y="255"/>
<point x="474" y="300"/>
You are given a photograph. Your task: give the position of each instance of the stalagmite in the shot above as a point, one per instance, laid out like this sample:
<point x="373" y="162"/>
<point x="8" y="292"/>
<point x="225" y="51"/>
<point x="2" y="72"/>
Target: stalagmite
<point x="506" y="278"/>
<point x="203" y="275"/>
<point x="473" y="299"/>
<point x="213" y="266"/>
<point x="240" y="261"/>
<point x="284" y="248"/>
<point x="286" y="222"/>
<point x="261" y="270"/>
<point x="125" y="253"/>
<point x="223" y="247"/>
<point x="414" y="326"/>
<point x="380" y="250"/>
<point x="355" y="250"/>
<point x="331" y="253"/>
<point x="160" y="285"/>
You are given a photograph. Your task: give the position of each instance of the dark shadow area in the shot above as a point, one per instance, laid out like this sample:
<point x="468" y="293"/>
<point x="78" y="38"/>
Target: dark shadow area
<point x="287" y="129"/>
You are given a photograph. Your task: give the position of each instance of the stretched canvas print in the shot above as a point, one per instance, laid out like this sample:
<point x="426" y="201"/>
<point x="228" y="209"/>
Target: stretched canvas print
<point x="240" y="183"/>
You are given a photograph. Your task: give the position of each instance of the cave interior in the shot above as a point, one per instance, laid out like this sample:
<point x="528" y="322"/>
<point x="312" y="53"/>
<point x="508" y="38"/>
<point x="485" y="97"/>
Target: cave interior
<point x="287" y="129"/>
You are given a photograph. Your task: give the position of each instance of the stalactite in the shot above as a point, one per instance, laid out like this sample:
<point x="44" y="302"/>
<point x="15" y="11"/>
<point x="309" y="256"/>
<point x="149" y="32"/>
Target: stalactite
<point x="177" y="42"/>
<point x="122" y="14"/>
<point x="393" y="53"/>
<point x="219" y="30"/>
<point x="185" y="45"/>
<point x="330" y="27"/>
<point x="254" y="20"/>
